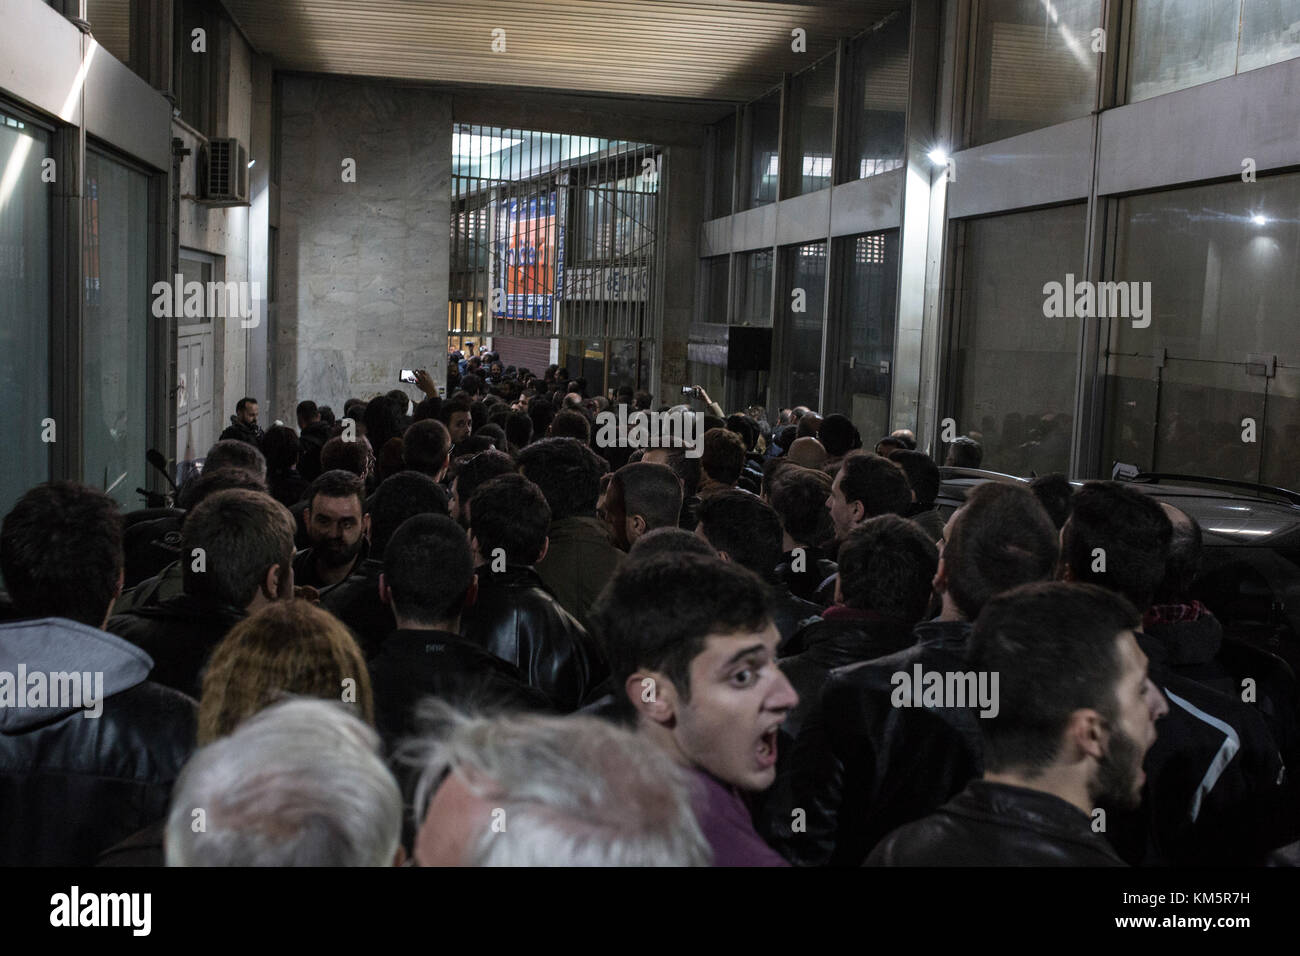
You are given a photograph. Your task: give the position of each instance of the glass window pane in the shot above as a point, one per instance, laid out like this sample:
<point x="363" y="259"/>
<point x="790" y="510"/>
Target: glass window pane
<point x="801" y="307"/>
<point x="1224" y="274"/>
<point x="114" y="338"/>
<point x="24" y="305"/>
<point x="861" y="327"/>
<point x="876" y="120"/>
<point x="762" y="127"/>
<point x="724" y="165"/>
<point x="754" y="295"/>
<point x="812" y="99"/>
<point x="1180" y="43"/>
<point x="1003" y="336"/>
<point x="1270" y="32"/>
<point x="713" y="279"/>
<point x="1034" y="65"/>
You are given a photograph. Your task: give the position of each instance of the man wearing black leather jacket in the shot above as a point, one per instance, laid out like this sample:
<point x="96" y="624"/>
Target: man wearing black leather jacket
<point x="236" y="549"/>
<point x="1073" y="717"/>
<point x="515" y="617"/>
<point x="79" y="775"/>
<point x="862" y="766"/>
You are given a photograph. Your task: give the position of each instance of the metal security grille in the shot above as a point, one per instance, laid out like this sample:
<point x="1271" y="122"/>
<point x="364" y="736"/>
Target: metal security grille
<point x="554" y="251"/>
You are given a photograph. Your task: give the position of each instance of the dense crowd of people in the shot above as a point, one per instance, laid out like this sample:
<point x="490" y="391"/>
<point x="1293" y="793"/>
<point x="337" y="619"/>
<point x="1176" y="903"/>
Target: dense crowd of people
<point x="467" y="631"/>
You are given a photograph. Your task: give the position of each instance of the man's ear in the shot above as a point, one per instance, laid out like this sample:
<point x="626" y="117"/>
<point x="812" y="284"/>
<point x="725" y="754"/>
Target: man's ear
<point x="271" y="583"/>
<point x="1085" y="735"/>
<point x="546" y="546"/>
<point x="471" y="594"/>
<point x="652" y="696"/>
<point x="638" y="524"/>
<point x="724" y="556"/>
<point x="385" y="592"/>
<point x="940" y="581"/>
<point x="365" y="526"/>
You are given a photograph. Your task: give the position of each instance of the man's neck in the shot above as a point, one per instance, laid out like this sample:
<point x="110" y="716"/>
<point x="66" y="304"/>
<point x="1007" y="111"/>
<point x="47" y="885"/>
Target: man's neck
<point x="950" y="610"/>
<point x="330" y="576"/>
<point x="406" y="624"/>
<point x="1059" y="782"/>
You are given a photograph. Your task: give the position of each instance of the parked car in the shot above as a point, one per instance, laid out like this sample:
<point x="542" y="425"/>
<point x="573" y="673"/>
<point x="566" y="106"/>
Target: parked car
<point x="1250" y="572"/>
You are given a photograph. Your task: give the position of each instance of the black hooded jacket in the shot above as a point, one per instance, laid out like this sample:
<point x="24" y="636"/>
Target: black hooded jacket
<point x="73" y="782"/>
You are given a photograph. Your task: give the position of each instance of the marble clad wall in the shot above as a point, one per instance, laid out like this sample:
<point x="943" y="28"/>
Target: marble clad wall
<point x="362" y="266"/>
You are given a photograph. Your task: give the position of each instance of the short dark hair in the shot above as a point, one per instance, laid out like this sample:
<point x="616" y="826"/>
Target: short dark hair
<point x="880" y="484"/>
<point x="743" y="526"/>
<point x="745" y="427"/>
<point x="839" y="435"/>
<point x="651" y="490"/>
<point x="383" y="421"/>
<point x="1055" y="493"/>
<point x="425" y="446"/>
<point x="428" y="566"/>
<point x="886" y="565"/>
<point x="349" y="456"/>
<point x="1002" y="538"/>
<point x="457" y="403"/>
<point x="61" y="552"/>
<point x="671" y="540"/>
<point x="218" y="479"/>
<point x="307" y="411"/>
<point x="567" y="471"/>
<point x="246" y="400"/>
<point x="798" y="495"/>
<point x="724" y="456"/>
<point x="1053" y="646"/>
<point x="657" y="614"/>
<point x="242" y="533"/>
<point x="239" y="454"/>
<point x="510" y="513"/>
<point x="337" y="484"/>
<point x="474" y="470"/>
<point x="571" y="423"/>
<point x="519" y="429"/>
<point x="399" y="497"/>
<point x="922" y="474"/>
<point x="964" y="452"/>
<point x="1129" y="527"/>
<point x="495" y="434"/>
<point x="280" y="446"/>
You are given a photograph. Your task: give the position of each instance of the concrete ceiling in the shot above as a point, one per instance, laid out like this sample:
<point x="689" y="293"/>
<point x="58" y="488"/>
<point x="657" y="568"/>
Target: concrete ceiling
<point x="730" y="50"/>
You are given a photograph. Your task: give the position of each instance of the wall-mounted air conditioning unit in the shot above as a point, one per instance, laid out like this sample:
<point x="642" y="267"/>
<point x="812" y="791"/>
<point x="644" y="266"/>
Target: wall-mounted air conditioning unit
<point x="223" y="173"/>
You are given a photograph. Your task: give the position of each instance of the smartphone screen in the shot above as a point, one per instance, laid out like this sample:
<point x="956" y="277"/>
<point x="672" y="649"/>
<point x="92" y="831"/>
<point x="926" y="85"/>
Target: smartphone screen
<point x="407" y="376"/>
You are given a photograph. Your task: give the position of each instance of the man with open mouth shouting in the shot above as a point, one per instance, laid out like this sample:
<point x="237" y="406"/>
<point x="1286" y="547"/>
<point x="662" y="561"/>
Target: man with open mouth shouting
<point x="693" y="653"/>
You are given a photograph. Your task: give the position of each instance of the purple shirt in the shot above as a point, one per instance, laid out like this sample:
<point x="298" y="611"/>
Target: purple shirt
<point x="726" y="823"/>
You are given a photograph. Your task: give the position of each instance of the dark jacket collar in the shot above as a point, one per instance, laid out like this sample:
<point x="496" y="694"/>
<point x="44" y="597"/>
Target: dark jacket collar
<point x="192" y="606"/>
<point x="1185" y="634"/>
<point x="1036" y="810"/>
<point x="949" y="635"/>
<point x="583" y="528"/>
<point x="514" y="576"/>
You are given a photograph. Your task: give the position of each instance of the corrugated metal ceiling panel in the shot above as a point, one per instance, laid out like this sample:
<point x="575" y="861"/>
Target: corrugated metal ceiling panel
<point x="709" y="49"/>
